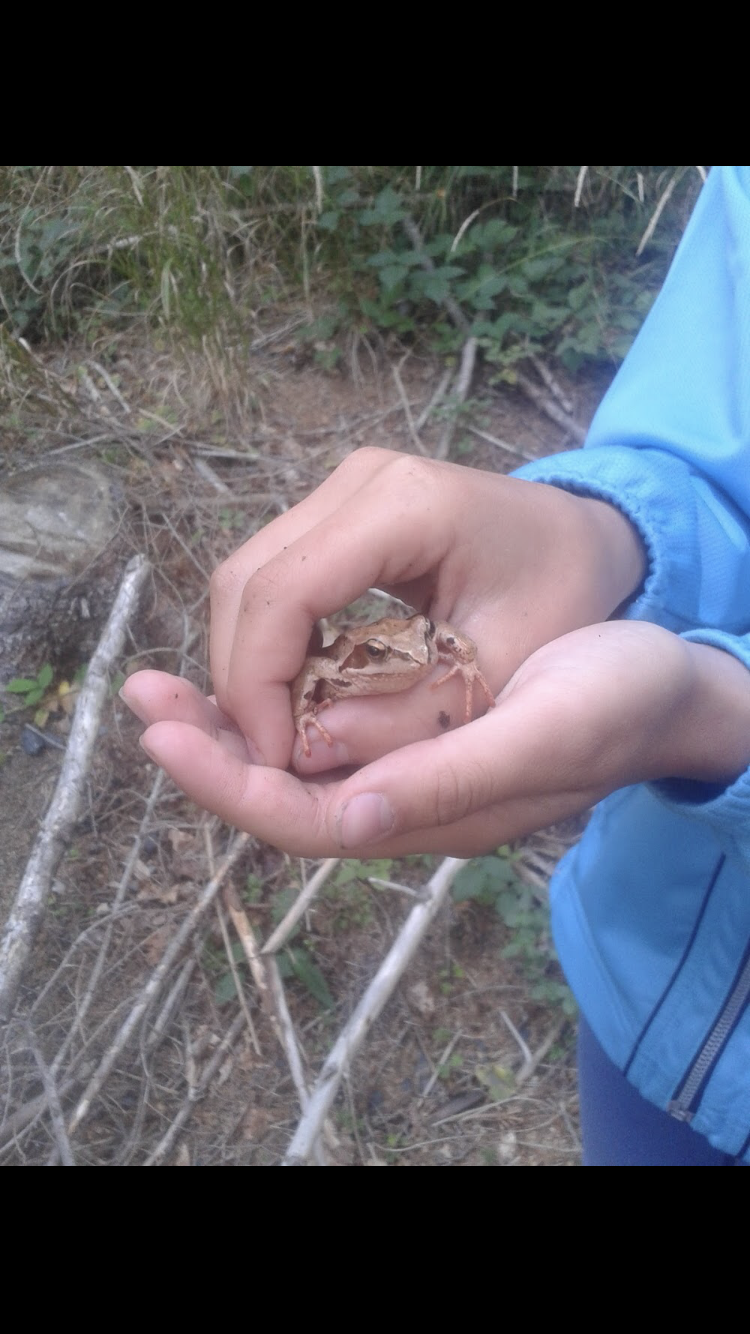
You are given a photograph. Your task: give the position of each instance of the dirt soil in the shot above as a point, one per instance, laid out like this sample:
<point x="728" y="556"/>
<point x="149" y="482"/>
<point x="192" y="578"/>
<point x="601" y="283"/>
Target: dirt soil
<point x="466" y="1065"/>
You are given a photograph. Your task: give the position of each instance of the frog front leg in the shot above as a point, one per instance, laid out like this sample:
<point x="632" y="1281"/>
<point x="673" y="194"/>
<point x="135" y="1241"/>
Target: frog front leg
<point x="461" y="653"/>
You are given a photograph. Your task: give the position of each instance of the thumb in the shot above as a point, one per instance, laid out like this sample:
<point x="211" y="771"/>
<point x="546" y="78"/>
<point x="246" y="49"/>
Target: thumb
<point x="429" y="785"/>
<point x="521" y="767"/>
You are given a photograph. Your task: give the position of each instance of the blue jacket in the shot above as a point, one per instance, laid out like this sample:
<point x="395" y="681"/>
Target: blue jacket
<point x="651" y="912"/>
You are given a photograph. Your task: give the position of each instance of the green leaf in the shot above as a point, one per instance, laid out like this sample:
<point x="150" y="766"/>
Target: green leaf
<point x="20" y="685"/>
<point x="225" y="989"/>
<point x="392" y="275"/>
<point x="45" y="676"/>
<point x="329" y="221"/>
<point x="308" y="973"/>
<point x="386" y="211"/>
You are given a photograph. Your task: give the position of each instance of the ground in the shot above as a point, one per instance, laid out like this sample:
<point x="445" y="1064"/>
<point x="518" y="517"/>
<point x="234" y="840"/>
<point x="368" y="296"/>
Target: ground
<point x="471" y="1062"/>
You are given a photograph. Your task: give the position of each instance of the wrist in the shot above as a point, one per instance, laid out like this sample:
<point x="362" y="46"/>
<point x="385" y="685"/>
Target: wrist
<point x="622" y="554"/>
<point x="715" y="740"/>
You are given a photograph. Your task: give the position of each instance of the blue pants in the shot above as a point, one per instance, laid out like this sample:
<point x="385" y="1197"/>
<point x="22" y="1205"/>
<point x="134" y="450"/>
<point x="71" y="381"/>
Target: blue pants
<point x="621" y="1129"/>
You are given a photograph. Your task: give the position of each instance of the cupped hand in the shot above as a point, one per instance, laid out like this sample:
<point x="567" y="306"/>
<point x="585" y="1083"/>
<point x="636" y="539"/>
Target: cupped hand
<point x="510" y="563"/>
<point x="602" y="707"/>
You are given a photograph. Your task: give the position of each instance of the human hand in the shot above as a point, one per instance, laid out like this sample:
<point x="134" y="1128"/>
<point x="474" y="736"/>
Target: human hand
<point x="510" y="563"/>
<point x="597" y="709"/>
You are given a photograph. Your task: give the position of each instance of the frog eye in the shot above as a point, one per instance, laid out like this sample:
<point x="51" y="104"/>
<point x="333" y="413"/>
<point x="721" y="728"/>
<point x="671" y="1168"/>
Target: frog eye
<point x="375" y="650"/>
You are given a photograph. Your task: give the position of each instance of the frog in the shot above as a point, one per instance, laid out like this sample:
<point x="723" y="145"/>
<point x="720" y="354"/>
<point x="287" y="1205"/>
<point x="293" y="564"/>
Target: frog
<point x="381" y="658"/>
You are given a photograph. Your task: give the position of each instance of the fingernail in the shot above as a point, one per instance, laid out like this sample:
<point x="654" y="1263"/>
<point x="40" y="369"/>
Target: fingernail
<point x="143" y="745"/>
<point x="364" y="819"/>
<point x="129" y="703"/>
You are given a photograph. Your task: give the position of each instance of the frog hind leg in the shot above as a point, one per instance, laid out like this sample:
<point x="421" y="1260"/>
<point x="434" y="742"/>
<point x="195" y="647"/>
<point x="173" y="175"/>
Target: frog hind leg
<point x="311" y="719"/>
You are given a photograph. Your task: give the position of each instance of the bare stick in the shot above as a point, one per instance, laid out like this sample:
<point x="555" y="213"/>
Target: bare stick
<point x="53" y="1101"/>
<point x="554" y="386"/>
<point x="501" y="444"/>
<point x="529" y="1067"/>
<point x="112" y="387"/>
<point x="57" y="825"/>
<point x="523" y="1046"/>
<point x="436" y="399"/>
<point x="268" y="981"/>
<point x="379" y="991"/>
<point x="197" y="1092"/>
<point x="550" y="408"/>
<point x="236" y="979"/>
<point x="407" y="411"/>
<point x="173" y="998"/>
<point x="653" y="220"/>
<point x="459" y="394"/>
<point x="156" y="981"/>
<point x="122" y="888"/>
<point x="300" y="906"/>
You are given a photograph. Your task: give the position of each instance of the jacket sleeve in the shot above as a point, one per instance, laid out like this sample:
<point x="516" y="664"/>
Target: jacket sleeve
<point x="725" y="809"/>
<point x="670" y="444"/>
<point x="670" y="447"/>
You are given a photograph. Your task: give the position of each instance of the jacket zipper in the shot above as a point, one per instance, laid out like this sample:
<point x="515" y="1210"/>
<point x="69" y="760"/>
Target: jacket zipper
<point x="681" y="1106"/>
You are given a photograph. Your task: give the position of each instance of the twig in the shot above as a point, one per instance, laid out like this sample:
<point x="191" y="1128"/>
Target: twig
<point x="53" y="1101"/>
<point x="268" y="979"/>
<point x="437" y="398"/>
<point x="380" y="989"/>
<point x="171" y="1002"/>
<point x="552" y="384"/>
<point x="396" y="370"/>
<point x="112" y="387"/>
<point x="56" y="827"/>
<point x="196" y="1092"/>
<point x="524" y="1049"/>
<point x="501" y="444"/>
<point x="205" y="471"/>
<point x="427" y="1090"/>
<point x="122" y="888"/>
<point x="528" y="1069"/>
<point x="393" y="884"/>
<point x="582" y="174"/>
<point x="551" y="409"/>
<point x="156" y="981"/>
<point x="653" y="220"/>
<point x="268" y="982"/>
<point x="458" y="394"/>
<point x="237" y="981"/>
<point x="287" y="924"/>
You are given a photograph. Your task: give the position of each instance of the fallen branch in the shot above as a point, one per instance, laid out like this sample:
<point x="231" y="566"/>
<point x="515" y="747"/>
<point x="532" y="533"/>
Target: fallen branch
<point x="300" y="906"/>
<point x="339" y="1058"/>
<point x="413" y="432"/>
<point x="459" y="394"/>
<point x="57" y="825"/>
<point x="550" y="408"/>
<point x="156" y="981"/>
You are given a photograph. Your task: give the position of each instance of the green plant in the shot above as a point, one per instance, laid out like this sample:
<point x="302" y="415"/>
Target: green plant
<point x="31" y="689"/>
<point x="298" y="962"/>
<point x="523" y="258"/>
<point x="493" y="882"/>
<point x="350" y="894"/>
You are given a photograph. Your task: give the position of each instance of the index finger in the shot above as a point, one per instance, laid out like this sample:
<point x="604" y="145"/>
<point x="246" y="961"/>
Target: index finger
<point x="372" y="536"/>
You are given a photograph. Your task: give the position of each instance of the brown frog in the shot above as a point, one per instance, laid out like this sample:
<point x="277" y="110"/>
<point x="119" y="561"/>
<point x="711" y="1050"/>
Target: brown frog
<point x="382" y="658"/>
